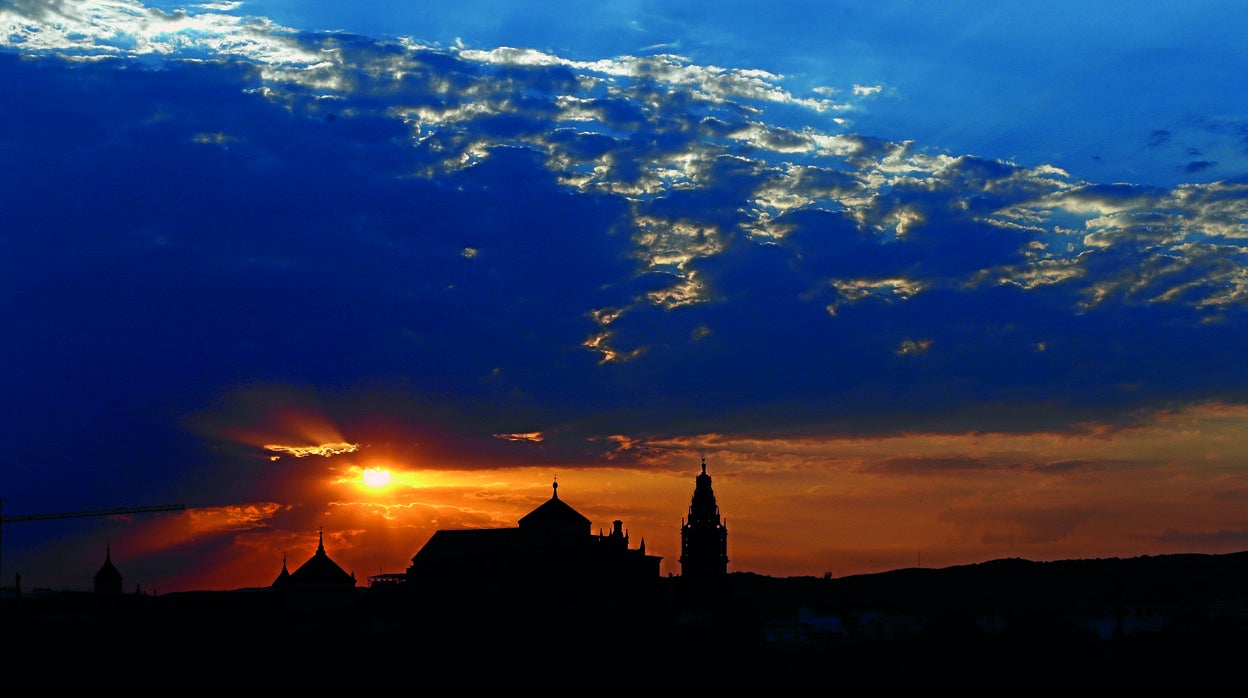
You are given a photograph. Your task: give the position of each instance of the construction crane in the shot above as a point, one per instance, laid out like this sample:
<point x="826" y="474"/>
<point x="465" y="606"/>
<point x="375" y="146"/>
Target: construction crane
<point x="83" y="515"/>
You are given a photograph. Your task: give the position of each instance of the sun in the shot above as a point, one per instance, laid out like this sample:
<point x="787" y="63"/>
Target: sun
<point x="376" y="477"/>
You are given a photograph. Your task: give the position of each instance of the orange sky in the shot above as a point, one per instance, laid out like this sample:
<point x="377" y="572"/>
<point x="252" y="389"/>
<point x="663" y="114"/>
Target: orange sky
<point x="792" y="507"/>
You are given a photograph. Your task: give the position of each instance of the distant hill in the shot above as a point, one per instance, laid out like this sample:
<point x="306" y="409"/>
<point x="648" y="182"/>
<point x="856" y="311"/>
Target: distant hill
<point x="1014" y="583"/>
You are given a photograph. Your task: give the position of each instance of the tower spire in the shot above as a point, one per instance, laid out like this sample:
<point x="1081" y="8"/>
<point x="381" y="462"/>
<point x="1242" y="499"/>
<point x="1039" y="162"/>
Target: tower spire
<point x="703" y="535"/>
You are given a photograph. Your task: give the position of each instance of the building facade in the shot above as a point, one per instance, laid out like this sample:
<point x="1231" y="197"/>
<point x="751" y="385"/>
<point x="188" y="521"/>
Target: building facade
<point x="551" y="553"/>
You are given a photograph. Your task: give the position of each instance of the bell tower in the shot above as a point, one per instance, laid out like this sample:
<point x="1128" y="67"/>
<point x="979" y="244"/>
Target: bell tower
<point x="703" y="536"/>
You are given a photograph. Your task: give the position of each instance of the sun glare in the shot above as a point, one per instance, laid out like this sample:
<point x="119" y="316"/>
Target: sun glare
<point x="376" y="477"/>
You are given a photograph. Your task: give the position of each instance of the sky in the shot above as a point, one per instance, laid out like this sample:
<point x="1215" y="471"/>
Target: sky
<point x="925" y="284"/>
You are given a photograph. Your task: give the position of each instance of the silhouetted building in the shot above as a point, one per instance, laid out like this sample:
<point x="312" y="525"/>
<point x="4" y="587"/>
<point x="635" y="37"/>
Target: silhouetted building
<point x="552" y="553"/>
<point x="108" y="579"/>
<point x="319" y="573"/>
<point x="703" y="536"/>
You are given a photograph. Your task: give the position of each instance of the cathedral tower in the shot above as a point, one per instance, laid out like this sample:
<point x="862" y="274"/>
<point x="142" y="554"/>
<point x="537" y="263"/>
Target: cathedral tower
<point x="703" y="537"/>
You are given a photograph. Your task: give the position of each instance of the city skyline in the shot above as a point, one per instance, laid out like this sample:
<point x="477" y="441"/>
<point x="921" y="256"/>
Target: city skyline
<point x="922" y="285"/>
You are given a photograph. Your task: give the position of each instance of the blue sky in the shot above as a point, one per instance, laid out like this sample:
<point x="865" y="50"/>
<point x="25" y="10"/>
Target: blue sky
<point x="969" y="277"/>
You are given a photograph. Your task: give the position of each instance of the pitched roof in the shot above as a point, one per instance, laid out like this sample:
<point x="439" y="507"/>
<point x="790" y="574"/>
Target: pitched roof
<point x="319" y="571"/>
<point x="108" y="572"/>
<point x="284" y="576"/>
<point x="554" y="513"/>
<point x="479" y="543"/>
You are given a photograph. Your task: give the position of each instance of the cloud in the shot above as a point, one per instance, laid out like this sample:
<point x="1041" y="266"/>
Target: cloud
<point x="532" y="437"/>
<point x="94" y="29"/>
<point x="1232" y="537"/>
<point x="324" y="450"/>
<point x="535" y="232"/>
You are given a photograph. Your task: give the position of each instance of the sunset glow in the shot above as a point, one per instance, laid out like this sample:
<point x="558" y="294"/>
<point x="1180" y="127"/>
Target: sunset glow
<point x="793" y="506"/>
<point x="376" y="477"/>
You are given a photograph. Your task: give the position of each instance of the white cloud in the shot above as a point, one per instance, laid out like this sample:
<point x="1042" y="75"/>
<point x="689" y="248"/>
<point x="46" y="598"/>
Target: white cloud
<point x="661" y="125"/>
<point x="97" y="28"/>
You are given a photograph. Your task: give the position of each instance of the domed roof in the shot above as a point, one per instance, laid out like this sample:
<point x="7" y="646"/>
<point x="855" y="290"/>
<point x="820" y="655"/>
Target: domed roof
<point x="108" y="579"/>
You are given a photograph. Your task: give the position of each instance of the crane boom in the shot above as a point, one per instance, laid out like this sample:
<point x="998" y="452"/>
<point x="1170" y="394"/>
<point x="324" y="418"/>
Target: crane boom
<point x="88" y="513"/>
<point x="93" y="512"/>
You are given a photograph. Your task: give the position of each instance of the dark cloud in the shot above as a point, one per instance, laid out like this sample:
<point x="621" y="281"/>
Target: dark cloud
<point x="301" y="250"/>
<point x="539" y="245"/>
<point x="929" y="466"/>
<point x="1235" y="537"/>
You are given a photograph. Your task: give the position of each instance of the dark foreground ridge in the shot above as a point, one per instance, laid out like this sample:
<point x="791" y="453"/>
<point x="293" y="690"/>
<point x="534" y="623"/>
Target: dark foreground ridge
<point x="1110" y="621"/>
